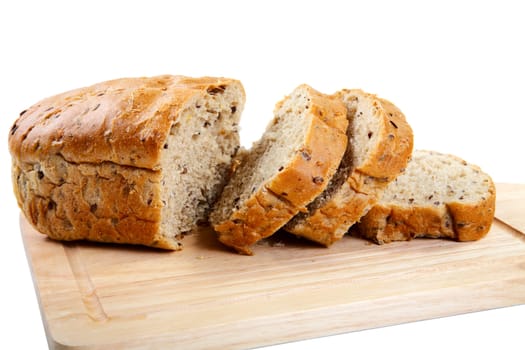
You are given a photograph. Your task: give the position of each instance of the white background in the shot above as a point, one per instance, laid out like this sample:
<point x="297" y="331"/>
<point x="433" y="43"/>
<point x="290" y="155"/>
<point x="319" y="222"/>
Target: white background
<point x="456" y="68"/>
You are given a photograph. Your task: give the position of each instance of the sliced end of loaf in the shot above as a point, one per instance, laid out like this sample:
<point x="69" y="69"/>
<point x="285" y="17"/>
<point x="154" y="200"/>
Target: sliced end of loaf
<point x="286" y="169"/>
<point x="379" y="146"/>
<point x="133" y="160"/>
<point x="438" y="196"/>
<point x="196" y="159"/>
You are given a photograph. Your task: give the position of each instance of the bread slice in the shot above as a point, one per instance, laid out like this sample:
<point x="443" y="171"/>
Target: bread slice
<point x="136" y="160"/>
<point x="379" y="147"/>
<point x="284" y="171"/>
<point x="438" y="196"/>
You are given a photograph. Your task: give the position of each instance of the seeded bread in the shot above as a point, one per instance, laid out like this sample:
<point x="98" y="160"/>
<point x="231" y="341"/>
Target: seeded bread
<point x="136" y="160"/>
<point x="438" y="196"/>
<point x="379" y="147"/>
<point x="284" y="171"/>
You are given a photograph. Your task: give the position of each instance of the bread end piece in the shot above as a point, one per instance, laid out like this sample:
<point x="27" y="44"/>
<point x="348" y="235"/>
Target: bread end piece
<point x="448" y="198"/>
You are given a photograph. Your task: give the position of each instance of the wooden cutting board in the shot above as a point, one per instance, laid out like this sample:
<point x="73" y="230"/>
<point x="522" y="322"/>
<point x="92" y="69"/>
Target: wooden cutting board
<point x="96" y="296"/>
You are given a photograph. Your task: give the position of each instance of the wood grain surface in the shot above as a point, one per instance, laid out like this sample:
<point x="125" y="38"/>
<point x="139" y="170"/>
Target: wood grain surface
<point x="510" y="206"/>
<point x="95" y="296"/>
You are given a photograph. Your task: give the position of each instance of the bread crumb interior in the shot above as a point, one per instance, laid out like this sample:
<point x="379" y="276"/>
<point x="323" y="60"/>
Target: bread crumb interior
<point x="196" y="158"/>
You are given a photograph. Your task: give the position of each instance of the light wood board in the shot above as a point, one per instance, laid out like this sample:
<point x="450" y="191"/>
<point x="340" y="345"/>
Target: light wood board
<point x="95" y="296"/>
<point x="510" y="206"/>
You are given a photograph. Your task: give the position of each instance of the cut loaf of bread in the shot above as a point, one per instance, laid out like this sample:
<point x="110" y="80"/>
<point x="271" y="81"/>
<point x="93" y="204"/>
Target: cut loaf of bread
<point x="136" y="160"/>
<point x="284" y="171"/>
<point x="438" y="196"/>
<point x="379" y="147"/>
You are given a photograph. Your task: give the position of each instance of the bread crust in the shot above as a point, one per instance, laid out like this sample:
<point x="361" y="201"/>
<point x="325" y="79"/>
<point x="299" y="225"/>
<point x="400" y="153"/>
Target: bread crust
<point x="298" y="183"/>
<point x="123" y="121"/>
<point x="364" y="184"/>
<point x="103" y="202"/>
<point x="104" y="140"/>
<point x="455" y="220"/>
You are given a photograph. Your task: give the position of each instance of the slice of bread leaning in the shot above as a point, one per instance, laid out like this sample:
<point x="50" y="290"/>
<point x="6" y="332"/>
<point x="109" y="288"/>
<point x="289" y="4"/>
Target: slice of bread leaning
<point x="137" y="160"/>
<point x="438" y="196"/>
<point x="285" y="170"/>
<point x="379" y="147"/>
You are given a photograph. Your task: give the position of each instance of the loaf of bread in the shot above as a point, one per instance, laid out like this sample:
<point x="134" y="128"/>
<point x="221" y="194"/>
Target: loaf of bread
<point x="379" y="147"/>
<point x="136" y="160"/>
<point x="438" y="196"/>
<point x="145" y="160"/>
<point x="285" y="170"/>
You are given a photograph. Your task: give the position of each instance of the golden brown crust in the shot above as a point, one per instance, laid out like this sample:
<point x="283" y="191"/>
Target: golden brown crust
<point x="384" y="224"/>
<point x="455" y="220"/>
<point x="310" y="170"/>
<point x="124" y="121"/>
<point x="364" y="184"/>
<point x="261" y="216"/>
<point x="472" y="222"/>
<point x="459" y="221"/>
<point x="104" y="202"/>
<point x="101" y="141"/>
<point x="297" y="184"/>
<point x="392" y="155"/>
